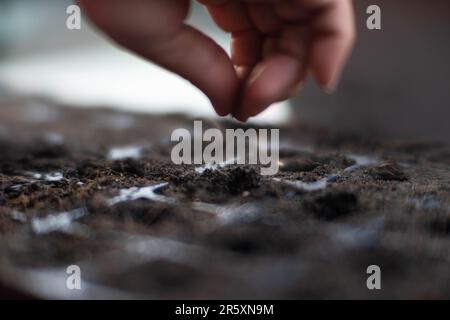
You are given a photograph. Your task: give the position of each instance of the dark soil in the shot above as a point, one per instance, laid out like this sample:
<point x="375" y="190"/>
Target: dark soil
<point x="309" y="232"/>
<point x="333" y="205"/>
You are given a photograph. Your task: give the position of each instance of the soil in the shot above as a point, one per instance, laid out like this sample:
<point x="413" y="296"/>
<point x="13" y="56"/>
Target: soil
<point x="338" y="205"/>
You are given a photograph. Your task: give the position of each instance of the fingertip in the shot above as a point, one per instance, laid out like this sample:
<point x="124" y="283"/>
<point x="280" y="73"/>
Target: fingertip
<point x="222" y="111"/>
<point x="272" y="81"/>
<point x="330" y="88"/>
<point x="240" y="116"/>
<point x="328" y="61"/>
<point x="328" y="83"/>
<point x="219" y="108"/>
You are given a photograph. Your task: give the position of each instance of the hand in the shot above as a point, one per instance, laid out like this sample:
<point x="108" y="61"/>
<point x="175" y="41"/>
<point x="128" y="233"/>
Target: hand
<point x="275" y="43"/>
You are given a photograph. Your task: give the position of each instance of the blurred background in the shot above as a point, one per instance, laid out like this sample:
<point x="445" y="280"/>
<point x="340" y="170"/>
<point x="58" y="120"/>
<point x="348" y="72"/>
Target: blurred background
<point x="396" y="84"/>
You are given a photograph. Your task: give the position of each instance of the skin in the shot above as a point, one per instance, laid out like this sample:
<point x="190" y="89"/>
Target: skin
<point x="275" y="44"/>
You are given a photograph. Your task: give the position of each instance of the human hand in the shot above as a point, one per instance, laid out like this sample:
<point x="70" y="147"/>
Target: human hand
<point x="275" y="44"/>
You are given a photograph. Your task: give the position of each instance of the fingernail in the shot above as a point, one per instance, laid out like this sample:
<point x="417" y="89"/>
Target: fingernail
<point x="242" y="72"/>
<point x="221" y="111"/>
<point x="332" y="85"/>
<point x="330" y="89"/>
<point x="296" y="89"/>
<point x="256" y="73"/>
<point x="240" y="118"/>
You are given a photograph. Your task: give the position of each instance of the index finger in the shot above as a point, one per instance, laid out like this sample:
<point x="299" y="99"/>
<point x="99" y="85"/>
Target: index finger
<point x="156" y="30"/>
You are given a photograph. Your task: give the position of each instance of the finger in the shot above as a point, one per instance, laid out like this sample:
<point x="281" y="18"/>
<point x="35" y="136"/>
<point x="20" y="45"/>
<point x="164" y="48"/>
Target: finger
<point x="246" y="41"/>
<point x="332" y="43"/>
<point x="265" y="19"/>
<point x="200" y="60"/>
<point x="295" y="10"/>
<point x="232" y="17"/>
<point x="137" y="20"/>
<point x="229" y="15"/>
<point x="279" y="75"/>
<point x="156" y="30"/>
<point x="246" y="51"/>
<point x="271" y="81"/>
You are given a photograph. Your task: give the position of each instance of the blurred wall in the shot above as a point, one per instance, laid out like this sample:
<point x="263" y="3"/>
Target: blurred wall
<point x="30" y="27"/>
<point x="397" y="81"/>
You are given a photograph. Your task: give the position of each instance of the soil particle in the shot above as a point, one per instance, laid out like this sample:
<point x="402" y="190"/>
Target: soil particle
<point x="89" y="168"/>
<point x="248" y="240"/>
<point x="333" y="205"/>
<point x="440" y="226"/>
<point x="388" y="171"/>
<point x="55" y="249"/>
<point x="240" y="179"/>
<point x="299" y="165"/>
<point x="215" y="185"/>
<point x="164" y="170"/>
<point x="146" y="213"/>
<point x="129" y="166"/>
<point x="45" y="149"/>
<point x="167" y="278"/>
<point x="7" y="223"/>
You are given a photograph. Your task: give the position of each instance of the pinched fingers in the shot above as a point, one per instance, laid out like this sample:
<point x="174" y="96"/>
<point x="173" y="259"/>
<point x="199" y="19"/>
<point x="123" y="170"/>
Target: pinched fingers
<point x="274" y="44"/>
